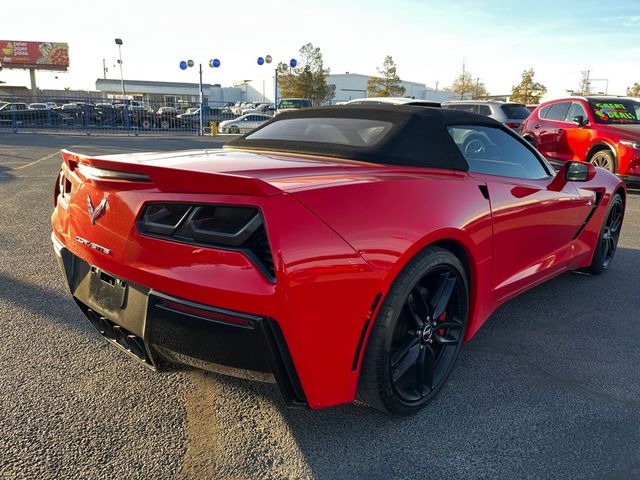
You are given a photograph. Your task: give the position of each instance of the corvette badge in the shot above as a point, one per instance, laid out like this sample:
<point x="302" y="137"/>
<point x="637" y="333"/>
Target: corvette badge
<point x="96" y="213"/>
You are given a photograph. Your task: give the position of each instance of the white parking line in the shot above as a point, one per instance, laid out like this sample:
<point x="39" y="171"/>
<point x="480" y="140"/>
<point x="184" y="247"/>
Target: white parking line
<point x="38" y="160"/>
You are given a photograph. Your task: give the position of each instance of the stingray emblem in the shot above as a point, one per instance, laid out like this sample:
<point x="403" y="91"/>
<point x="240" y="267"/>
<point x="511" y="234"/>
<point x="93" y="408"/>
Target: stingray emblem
<point x="96" y="213"/>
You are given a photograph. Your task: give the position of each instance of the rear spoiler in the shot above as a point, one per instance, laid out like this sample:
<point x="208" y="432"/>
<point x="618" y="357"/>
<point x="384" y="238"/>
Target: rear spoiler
<point x="166" y="179"/>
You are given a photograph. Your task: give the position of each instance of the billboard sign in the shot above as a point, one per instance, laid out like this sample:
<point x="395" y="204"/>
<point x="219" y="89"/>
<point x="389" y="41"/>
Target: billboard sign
<point x="37" y="55"/>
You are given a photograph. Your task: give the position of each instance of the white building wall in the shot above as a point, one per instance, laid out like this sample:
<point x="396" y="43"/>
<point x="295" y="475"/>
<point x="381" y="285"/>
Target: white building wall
<point x="350" y="86"/>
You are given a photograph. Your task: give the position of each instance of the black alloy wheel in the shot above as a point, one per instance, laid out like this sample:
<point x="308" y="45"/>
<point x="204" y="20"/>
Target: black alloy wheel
<point x="417" y="335"/>
<point x="609" y="236"/>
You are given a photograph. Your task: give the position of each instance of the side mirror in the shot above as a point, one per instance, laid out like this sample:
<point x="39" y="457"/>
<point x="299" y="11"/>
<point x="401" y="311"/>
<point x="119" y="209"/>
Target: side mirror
<point x="579" y="120"/>
<point x="578" y="171"/>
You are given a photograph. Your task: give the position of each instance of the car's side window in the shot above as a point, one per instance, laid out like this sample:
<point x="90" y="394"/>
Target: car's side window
<point x="574" y="110"/>
<point x="543" y="111"/>
<point x="558" y="111"/>
<point x="484" y="110"/>
<point x="492" y="151"/>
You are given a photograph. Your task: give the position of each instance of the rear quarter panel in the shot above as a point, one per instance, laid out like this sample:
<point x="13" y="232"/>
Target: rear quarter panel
<point x="389" y="219"/>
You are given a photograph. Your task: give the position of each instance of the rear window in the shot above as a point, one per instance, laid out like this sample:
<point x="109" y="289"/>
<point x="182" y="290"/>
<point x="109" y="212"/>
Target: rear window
<point x="515" y="111"/>
<point x="355" y="132"/>
<point x="617" y="112"/>
<point x="465" y="107"/>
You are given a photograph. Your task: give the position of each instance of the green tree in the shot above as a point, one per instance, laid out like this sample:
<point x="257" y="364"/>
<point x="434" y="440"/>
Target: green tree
<point x="634" y="91"/>
<point x="308" y="79"/>
<point x="465" y="83"/>
<point x="388" y="83"/>
<point x="527" y="91"/>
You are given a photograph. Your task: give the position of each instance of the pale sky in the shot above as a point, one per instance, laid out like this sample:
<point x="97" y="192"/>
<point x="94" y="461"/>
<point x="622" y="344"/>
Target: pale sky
<point x="427" y="39"/>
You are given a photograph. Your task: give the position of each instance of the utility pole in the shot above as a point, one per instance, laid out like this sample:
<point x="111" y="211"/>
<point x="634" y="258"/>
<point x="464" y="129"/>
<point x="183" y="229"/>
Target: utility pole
<point x="584" y="90"/>
<point x="104" y="69"/>
<point x="464" y="76"/>
<point x="477" y="87"/>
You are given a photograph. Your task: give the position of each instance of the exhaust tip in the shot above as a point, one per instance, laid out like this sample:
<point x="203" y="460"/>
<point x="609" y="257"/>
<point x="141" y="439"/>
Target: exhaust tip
<point x="136" y="347"/>
<point x="121" y="337"/>
<point x="107" y="328"/>
<point x="95" y="320"/>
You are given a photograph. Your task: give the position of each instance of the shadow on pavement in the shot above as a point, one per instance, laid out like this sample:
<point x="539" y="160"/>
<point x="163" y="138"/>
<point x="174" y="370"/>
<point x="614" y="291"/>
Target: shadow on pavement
<point x="41" y="301"/>
<point x="5" y="174"/>
<point x="547" y="375"/>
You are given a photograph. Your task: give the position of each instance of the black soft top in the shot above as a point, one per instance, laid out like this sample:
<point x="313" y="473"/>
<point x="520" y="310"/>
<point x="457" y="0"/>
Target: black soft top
<point x="418" y="135"/>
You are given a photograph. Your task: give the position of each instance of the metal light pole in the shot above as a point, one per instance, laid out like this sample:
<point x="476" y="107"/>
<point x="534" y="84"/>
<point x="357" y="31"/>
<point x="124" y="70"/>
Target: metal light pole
<point x="213" y="63"/>
<point x="119" y="43"/>
<point x="268" y="59"/>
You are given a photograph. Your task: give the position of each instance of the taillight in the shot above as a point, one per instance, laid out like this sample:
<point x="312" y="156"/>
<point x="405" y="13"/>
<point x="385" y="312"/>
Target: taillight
<point x="56" y="190"/>
<point x="231" y="227"/>
<point x="62" y="188"/>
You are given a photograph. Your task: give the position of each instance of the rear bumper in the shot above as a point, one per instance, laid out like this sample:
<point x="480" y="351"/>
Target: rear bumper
<point x="166" y="333"/>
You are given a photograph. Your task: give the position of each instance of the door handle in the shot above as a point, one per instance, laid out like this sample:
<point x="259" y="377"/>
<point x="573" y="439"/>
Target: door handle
<point x="560" y="130"/>
<point x="536" y="126"/>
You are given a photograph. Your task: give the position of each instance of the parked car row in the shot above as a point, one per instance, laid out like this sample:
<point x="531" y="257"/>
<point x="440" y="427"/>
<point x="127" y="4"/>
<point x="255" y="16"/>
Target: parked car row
<point x="108" y="115"/>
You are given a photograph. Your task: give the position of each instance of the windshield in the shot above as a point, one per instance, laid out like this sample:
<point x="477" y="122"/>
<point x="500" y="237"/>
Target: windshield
<point x="626" y="112"/>
<point x="294" y="103"/>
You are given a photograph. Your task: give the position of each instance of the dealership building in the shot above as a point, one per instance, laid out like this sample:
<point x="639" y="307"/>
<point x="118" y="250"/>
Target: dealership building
<point x="349" y="86"/>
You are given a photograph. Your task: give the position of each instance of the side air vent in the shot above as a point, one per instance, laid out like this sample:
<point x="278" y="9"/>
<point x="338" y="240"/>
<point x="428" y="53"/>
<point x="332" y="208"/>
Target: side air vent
<point x="230" y="227"/>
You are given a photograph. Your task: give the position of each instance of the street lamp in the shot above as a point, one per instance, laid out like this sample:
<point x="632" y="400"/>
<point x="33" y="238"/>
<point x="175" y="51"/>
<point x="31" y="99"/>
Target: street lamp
<point x="213" y="63"/>
<point x="268" y="59"/>
<point x="119" y="43"/>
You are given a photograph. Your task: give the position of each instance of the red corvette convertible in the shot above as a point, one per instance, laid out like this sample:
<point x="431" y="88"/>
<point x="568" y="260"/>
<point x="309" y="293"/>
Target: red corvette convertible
<point x="341" y="252"/>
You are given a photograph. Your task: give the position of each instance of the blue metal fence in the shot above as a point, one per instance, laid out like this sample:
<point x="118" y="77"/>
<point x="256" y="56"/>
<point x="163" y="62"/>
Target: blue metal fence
<point x="95" y="114"/>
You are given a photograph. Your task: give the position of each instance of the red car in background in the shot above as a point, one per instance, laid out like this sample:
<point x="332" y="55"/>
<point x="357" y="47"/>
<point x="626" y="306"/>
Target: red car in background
<point x="604" y="131"/>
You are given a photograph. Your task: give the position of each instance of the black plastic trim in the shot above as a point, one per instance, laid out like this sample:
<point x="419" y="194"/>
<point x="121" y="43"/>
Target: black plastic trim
<point x="590" y="215"/>
<point x="282" y="365"/>
<point x="484" y="190"/>
<point x="363" y="332"/>
<point x="268" y="351"/>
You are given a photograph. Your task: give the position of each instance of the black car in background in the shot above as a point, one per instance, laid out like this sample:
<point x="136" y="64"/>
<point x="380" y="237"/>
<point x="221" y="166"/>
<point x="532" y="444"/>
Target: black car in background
<point x="19" y="115"/>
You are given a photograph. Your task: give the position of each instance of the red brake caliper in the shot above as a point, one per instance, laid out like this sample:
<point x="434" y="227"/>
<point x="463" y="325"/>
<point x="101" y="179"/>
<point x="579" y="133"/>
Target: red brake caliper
<point x="441" y="331"/>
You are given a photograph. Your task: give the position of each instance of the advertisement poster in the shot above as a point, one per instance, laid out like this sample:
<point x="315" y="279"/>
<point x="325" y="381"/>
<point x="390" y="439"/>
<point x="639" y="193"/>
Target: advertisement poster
<point x="38" y="55"/>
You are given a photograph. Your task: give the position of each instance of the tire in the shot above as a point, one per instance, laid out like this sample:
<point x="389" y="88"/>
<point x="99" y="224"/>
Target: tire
<point x="165" y="124"/>
<point x="608" y="238"/>
<point x="234" y="129"/>
<point x="146" y="124"/>
<point x="409" y="354"/>
<point x="604" y="159"/>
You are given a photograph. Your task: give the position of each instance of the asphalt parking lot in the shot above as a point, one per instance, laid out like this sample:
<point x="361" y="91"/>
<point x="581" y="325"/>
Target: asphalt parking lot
<point x="549" y="388"/>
